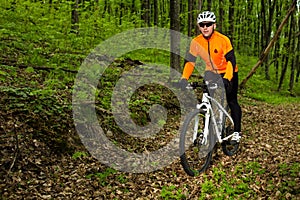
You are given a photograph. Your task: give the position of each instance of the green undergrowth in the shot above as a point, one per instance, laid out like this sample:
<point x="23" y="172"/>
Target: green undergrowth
<point x="257" y="87"/>
<point x="241" y="183"/>
<point x="261" y="89"/>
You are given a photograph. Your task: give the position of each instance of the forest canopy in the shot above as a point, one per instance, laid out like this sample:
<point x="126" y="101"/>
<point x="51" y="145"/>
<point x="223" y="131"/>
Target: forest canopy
<point x="77" y="26"/>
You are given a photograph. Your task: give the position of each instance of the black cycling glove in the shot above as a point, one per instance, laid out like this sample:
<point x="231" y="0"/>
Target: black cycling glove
<point x="183" y="83"/>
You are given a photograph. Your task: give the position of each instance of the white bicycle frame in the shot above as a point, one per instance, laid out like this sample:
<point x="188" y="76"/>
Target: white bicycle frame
<point x="209" y="115"/>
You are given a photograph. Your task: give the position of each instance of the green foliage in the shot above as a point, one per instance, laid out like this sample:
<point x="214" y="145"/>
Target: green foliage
<point x="156" y="56"/>
<point x="222" y="186"/>
<point x="41" y="32"/>
<point x="102" y="176"/>
<point x="259" y="88"/>
<point x="290" y="172"/>
<point x="79" y="154"/>
<point x="289" y="169"/>
<point x="171" y="192"/>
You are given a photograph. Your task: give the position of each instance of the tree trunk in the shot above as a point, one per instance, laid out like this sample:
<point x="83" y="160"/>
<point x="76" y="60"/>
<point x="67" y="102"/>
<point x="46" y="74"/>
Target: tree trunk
<point x="75" y="17"/>
<point x="277" y="46"/>
<point x="284" y="66"/>
<point x="264" y="36"/>
<point x="231" y="20"/>
<point x="175" y="39"/>
<point x="104" y="9"/>
<point x="220" y="18"/>
<point x="269" y="32"/>
<point x="190" y="17"/>
<point x="208" y="4"/>
<point x="292" y="77"/>
<point x="162" y="13"/>
<point x="276" y="58"/>
<point x="287" y="55"/>
<point x="293" y="57"/>
<point x="146" y="11"/>
<point x="200" y="5"/>
<point x="120" y="9"/>
<point x="155" y="5"/>
<point x="298" y="53"/>
<point x="133" y="10"/>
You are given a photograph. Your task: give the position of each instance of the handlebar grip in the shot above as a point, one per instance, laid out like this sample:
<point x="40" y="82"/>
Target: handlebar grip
<point x="194" y="85"/>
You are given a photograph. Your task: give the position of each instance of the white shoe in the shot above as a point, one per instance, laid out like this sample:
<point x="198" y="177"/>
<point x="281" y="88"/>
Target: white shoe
<point x="235" y="138"/>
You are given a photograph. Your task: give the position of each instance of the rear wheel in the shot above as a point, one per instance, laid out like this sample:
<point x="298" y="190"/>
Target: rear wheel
<point x="228" y="148"/>
<point x="195" y="156"/>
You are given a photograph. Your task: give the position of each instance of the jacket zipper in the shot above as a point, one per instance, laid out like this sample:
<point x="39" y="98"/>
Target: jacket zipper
<point x="210" y="57"/>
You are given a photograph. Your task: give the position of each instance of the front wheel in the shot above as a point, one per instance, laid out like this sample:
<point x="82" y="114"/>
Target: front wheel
<point x="195" y="156"/>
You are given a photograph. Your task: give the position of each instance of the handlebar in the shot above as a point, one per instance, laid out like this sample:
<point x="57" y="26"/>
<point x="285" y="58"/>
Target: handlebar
<point x="204" y="86"/>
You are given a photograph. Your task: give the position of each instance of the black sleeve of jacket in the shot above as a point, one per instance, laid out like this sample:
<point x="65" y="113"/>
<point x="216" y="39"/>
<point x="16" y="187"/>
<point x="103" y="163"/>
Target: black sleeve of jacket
<point x="230" y="57"/>
<point x="189" y="58"/>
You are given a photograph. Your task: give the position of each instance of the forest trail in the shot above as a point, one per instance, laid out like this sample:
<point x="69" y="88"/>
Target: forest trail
<point x="267" y="164"/>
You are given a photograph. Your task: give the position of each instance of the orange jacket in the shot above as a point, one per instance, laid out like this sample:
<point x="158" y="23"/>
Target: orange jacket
<point x="217" y="53"/>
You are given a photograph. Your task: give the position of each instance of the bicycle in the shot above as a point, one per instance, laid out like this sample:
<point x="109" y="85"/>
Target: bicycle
<point x="203" y="127"/>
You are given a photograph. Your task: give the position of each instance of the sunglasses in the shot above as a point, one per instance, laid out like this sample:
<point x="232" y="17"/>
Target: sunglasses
<point x="206" y="24"/>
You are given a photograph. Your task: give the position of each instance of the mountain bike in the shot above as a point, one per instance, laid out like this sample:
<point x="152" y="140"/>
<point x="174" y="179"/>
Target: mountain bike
<point x="203" y="127"/>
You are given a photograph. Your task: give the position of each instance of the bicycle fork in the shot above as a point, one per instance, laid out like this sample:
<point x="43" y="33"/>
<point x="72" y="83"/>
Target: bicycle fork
<point x="205" y="130"/>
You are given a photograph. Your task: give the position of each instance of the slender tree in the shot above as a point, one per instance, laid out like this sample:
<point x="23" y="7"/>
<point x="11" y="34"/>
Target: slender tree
<point x="231" y="20"/>
<point x="277" y="45"/>
<point x="220" y="17"/>
<point x="155" y="8"/>
<point x="297" y="60"/>
<point x="286" y="57"/>
<point x="199" y="9"/>
<point x="190" y="17"/>
<point x="175" y="39"/>
<point x="263" y="34"/>
<point x="146" y="11"/>
<point x="75" y="17"/>
<point x="208" y="5"/>
<point x="268" y="31"/>
<point x="200" y="5"/>
<point x="293" y="57"/>
<point x="105" y="8"/>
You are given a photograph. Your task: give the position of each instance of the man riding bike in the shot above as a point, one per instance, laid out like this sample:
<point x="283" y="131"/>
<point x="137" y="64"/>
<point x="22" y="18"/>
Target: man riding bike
<point x="217" y="52"/>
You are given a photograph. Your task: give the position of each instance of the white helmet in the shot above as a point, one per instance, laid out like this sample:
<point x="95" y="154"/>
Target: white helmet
<point x="206" y="16"/>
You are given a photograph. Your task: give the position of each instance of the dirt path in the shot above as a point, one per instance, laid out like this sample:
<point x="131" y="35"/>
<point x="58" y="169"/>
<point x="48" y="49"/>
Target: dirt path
<point x="266" y="166"/>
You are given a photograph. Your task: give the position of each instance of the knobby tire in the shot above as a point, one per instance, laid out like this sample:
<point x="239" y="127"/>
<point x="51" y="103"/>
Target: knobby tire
<point x="195" y="158"/>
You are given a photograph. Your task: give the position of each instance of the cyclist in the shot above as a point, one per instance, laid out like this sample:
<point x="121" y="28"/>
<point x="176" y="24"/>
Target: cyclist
<point x="217" y="52"/>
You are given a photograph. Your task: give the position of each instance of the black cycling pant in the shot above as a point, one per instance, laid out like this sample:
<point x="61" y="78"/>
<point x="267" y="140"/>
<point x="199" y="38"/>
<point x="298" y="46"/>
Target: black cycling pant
<point x="231" y="95"/>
